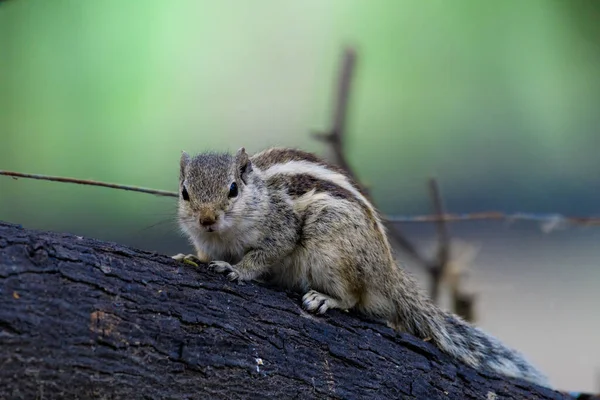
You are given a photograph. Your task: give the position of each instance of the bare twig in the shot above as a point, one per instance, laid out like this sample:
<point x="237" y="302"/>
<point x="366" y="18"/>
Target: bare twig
<point x="437" y="270"/>
<point x="462" y="303"/>
<point x="392" y="219"/>
<point x="335" y="137"/>
<point x="495" y="215"/>
<point x="89" y="182"/>
<point x="443" y="236"/>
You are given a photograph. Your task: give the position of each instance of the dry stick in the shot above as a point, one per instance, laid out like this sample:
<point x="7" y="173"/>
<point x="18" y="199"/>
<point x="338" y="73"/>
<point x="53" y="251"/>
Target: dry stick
<point x="438" y="270"/>
<point x="393" y="219"/>
<point x="494" y="215"/>
<point x="480" y="216"/>
<point x="462" y="303"/>
<point x="336" y="135"/>
<point x="89" y="182"/>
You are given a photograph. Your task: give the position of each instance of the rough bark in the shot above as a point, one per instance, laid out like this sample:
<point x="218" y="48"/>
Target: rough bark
<point x="81" y="318"/>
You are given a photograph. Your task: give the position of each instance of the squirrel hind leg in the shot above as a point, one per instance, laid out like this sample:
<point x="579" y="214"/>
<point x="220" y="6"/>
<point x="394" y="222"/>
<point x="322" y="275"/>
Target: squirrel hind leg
<point x="320" y="303"/>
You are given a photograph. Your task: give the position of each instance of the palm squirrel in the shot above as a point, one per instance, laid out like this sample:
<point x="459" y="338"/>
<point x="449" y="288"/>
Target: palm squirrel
<point x="286" y="214"/>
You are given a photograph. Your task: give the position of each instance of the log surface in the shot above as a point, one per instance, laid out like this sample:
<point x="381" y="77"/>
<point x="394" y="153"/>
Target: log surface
<point x="81" y="318"/>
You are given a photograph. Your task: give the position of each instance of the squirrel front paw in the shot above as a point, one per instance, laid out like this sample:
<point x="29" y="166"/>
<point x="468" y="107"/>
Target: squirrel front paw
<point x="223" y="266"/>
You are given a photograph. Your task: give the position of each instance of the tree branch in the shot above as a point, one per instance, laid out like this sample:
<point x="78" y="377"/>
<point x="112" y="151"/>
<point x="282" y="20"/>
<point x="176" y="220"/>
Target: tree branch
<point x="81" y="318"/>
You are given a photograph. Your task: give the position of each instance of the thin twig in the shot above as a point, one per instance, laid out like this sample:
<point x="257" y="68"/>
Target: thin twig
<point x="392" y="219"/>
<point x="442" y="230"/>
<point x="438" y="270"/>
<point x="89" y="182"/>
<point x="461" y="303"/>
<point x="494" y="215"/>
<point x="335" y="137"/>
<point x="343" y="94"/>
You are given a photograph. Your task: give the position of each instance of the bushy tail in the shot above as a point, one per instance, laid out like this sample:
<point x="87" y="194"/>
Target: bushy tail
<point x="480" y="350"/>
<point x="413" y="312"/>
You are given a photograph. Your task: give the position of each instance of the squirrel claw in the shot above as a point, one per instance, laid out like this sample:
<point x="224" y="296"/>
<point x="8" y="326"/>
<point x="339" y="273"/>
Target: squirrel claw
<point x="233" y="276"/>
<point x="317" y="302"/>
<point x="220" y="266"/>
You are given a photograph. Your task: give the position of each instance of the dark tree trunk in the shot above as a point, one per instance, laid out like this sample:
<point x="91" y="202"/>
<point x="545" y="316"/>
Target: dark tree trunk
<point x="80" y="318"/>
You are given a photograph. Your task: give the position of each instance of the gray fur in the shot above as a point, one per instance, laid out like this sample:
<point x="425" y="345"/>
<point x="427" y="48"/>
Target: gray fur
<point x="305" y="226"/>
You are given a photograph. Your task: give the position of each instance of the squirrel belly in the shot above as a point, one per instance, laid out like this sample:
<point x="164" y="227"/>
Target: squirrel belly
<point x="287" y="215"/>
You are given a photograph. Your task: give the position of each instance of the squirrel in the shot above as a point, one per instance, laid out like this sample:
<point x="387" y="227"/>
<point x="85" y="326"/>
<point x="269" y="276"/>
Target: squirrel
<point x="305" y="225"/>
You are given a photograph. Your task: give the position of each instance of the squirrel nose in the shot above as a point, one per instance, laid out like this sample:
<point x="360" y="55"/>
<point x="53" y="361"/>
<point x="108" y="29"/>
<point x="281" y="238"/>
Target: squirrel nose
<point x="207" y="221"/>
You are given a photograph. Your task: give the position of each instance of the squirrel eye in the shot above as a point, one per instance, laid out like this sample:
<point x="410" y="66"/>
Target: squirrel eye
<point x="185" y="195"/>
<point x="233" y="190"/>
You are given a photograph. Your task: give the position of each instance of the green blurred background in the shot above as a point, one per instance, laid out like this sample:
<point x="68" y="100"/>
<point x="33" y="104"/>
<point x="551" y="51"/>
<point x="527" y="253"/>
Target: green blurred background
<point x="499" y="100"/>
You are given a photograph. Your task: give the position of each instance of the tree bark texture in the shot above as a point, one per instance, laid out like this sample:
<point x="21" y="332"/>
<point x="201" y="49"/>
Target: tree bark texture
<point x="81" y="318"/>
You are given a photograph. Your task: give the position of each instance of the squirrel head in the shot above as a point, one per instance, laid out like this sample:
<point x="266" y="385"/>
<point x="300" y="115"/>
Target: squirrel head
<point x="213" y="190"/>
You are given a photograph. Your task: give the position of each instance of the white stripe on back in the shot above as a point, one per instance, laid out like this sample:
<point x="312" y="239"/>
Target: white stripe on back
<point x="319" y="172"/>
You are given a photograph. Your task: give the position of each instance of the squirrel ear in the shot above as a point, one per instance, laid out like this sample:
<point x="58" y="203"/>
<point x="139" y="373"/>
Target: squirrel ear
<point x="243" y="165"/>
<point x="183" y="161"/>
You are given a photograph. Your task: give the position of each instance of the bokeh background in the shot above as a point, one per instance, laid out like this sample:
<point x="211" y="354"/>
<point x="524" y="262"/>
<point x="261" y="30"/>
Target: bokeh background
<point x="498" y="100"/>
